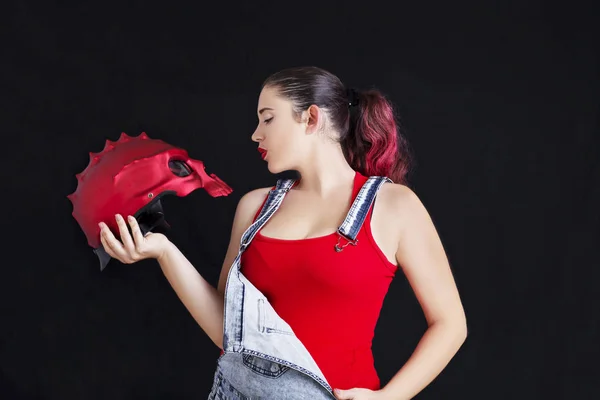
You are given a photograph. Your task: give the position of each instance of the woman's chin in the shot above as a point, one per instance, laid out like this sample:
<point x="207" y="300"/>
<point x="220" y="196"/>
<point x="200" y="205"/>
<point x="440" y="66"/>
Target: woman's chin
<point x="274" y="168"/>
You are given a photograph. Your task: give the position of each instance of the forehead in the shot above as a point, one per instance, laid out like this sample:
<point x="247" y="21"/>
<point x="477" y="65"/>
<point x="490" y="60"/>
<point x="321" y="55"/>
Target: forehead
<point x="269" y="97"/>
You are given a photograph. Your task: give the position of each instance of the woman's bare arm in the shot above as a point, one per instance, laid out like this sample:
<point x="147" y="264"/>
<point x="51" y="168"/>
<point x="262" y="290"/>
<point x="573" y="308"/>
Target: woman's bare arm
<point x="421" y="255"/>
<point x="202" y="300"/>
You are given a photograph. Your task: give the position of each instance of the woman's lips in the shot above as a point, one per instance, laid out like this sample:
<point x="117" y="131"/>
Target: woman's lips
<point x="263" y="153"/>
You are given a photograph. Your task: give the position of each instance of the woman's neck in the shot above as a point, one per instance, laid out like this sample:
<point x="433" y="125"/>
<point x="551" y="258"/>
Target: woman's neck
<point x="325" y="171"/>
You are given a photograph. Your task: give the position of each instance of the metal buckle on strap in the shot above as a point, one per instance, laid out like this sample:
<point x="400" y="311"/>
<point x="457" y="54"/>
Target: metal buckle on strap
<point x="339" y="248"/>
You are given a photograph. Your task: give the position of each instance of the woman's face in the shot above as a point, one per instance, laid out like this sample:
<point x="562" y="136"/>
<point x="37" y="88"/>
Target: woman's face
<point x="279" y="133"/>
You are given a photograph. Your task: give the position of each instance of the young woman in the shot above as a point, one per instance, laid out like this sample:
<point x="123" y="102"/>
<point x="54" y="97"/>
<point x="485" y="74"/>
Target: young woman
<point x="317" y="254"/>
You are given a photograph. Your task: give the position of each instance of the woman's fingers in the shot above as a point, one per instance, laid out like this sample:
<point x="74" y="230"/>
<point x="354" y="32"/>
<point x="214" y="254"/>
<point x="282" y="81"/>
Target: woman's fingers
<point x="125" y="236"/>
<point x="136" y="232"/>
<point x="111" y="245"/>
<point x="104" y="244"/>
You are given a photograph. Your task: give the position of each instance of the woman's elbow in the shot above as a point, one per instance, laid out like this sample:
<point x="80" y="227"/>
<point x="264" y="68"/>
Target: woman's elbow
<point x="460" y="328"/>
<point x="455" y="326"/>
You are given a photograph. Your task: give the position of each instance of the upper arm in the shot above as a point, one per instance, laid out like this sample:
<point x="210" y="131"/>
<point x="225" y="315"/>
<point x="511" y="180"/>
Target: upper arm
<point x="244" y="216"/>
<point x="421" y="255"/>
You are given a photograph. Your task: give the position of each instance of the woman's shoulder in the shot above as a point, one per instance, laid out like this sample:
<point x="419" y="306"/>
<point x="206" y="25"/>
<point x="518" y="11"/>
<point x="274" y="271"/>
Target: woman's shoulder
<point x="402" y="206"/>
<point x="397" y="198"/>
<point x="247" y="207"/>
<point x="254" y="198"/>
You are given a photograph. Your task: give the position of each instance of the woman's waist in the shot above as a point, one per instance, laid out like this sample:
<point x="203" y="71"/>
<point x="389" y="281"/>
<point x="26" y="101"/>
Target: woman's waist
<point x="345" y="353"/>
<point x="336" y="345"/>
<point x="347" y="367"/>
<point x="332" y="337"/>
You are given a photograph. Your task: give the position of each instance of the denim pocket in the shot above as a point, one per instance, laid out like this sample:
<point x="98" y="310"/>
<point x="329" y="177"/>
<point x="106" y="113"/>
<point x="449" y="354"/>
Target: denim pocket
<point x="264" y="367"/>
<point x="267" y="322"/>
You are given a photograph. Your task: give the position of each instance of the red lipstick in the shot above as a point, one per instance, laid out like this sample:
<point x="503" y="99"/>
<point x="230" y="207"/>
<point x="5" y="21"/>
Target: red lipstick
<point x="263" y="152"/>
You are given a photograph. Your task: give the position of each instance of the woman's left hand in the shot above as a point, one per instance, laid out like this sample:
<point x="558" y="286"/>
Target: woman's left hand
<point x="357" y="394"/>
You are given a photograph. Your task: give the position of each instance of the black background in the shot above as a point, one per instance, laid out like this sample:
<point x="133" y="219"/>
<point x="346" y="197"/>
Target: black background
<point x="499" y="100"/>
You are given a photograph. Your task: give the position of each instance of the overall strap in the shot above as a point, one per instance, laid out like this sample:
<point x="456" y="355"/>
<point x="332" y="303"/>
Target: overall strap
<point x="358" y="211"/>
<point x="271" y="205"/>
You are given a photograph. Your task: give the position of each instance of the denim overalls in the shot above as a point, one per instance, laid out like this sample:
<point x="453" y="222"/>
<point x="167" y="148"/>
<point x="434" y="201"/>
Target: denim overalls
<point x="263" y="359"/>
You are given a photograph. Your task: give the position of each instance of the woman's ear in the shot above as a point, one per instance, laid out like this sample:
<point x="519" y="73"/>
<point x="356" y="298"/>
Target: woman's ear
<point x="312" y="119"/>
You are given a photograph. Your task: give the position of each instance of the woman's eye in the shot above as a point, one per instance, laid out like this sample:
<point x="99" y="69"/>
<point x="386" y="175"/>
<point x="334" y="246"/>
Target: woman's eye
<point x="268" y="121"/>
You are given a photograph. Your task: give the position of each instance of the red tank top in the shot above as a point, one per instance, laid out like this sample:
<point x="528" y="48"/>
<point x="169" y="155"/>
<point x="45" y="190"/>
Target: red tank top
<point x="331" y="300"/>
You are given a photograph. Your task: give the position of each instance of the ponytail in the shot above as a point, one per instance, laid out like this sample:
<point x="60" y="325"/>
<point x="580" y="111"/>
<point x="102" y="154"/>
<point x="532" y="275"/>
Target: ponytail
<point x="373" y="145"/>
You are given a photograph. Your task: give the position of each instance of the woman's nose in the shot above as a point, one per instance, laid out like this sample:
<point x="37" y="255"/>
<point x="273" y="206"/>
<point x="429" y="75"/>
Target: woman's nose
<point x="256" y="136"/>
